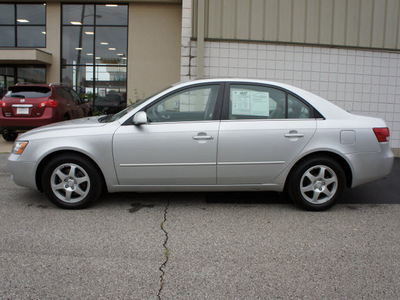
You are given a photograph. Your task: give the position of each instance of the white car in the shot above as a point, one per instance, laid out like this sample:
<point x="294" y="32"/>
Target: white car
<point x="208" y="135"/>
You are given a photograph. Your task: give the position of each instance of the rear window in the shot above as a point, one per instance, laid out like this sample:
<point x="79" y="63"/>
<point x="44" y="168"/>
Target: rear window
<point x="28" y="92"/>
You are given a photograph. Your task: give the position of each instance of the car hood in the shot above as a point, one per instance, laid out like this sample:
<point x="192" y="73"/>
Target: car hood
<point x="76" y="125"/>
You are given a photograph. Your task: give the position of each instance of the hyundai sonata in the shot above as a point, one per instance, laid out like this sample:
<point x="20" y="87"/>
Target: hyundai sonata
<point x="208" y="135"/>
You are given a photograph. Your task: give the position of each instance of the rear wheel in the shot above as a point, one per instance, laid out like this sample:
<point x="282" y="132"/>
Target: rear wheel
<point x="9" y="136"/>
<point x="71" y="181"/>
<point x="316" y="183"/>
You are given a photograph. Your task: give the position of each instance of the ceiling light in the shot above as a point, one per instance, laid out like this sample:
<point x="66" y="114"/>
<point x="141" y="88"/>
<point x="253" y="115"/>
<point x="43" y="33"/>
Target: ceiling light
<point x="112" y="49"/>
<point x="98" y="57"/>
<point x="79" y="49"/>
<point x="120" y="54"/>
<point x="22" y="20"/>
<point x="104" y="43"/>
<point x="44" y="32"/>
<point x="89" y="54"/>
<point x="112" y="5"/>
<point x="75" y="23"/>
<point x="89" y="32"/>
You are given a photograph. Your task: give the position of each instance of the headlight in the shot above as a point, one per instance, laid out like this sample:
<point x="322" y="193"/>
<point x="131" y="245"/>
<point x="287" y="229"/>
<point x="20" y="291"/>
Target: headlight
<point x="19" y="147"/>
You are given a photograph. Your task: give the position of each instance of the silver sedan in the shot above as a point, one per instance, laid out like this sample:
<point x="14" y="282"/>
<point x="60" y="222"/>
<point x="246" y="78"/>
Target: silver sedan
<point x="208" y="135"/>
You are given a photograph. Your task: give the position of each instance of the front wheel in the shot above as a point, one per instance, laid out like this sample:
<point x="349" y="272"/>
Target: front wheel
<point x="316" y="183"/>
<point x="71" y="181"/>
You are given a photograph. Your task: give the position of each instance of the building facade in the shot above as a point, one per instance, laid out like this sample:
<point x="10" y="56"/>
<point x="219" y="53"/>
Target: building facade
<point x="94" y="46"/>
<point x="347" y="51"/>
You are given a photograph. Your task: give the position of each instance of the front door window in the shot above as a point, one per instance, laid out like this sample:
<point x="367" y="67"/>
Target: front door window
<point x="195" y="104"/>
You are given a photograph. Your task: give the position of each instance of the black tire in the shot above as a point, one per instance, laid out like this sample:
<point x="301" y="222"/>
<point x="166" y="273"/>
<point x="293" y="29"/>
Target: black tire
<point x="316" y="183"/>
<point x="10" y="136"/>
<point x="71" y="181"/>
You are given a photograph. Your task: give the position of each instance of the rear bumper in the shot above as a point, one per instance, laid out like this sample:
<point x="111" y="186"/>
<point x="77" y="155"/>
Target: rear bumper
<point x="368" y="167"/>
<point x="13" y="123"/>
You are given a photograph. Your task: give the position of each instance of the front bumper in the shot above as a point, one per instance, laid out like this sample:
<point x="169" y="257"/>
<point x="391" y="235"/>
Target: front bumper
<point x="22" y="172"/>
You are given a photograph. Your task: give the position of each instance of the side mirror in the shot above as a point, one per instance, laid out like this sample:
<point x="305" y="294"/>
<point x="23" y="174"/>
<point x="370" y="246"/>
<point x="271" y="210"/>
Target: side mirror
<point x="140" y="118"/>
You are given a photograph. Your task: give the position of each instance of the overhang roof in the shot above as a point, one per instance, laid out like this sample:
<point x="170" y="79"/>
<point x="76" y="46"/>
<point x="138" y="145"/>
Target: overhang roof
<point x="25" y="56"/>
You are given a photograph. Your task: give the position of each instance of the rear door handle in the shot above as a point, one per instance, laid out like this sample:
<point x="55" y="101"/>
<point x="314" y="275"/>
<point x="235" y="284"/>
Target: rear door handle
<point x="294" y="134"/>
<point x="202" y="136"/>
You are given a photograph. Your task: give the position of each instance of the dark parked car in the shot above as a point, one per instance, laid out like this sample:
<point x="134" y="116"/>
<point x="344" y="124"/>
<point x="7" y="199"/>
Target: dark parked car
<point x="110" y="103"/>
<point x="32" y="105"/>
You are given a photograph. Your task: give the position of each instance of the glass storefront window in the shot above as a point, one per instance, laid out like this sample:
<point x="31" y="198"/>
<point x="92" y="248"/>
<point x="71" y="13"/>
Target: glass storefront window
<point x="77" y="45"/>
<point x="78" y="14"/>
<point x="34" y="14"/>
<point x="13" y="74"/>
<point x="79" y="77"/>
<point x="94" y="53"/>
<point x="111" y="45"/>
<point x="31" y="36"/>
<point x="7" y="14"/>
<point x="23" y="25"/>
<point x="112" y="14"/>
<point x="7" y="36"/>
<point x="31" y="74"/>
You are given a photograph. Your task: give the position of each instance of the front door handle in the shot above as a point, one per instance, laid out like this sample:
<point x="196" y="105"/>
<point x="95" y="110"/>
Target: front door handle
<point x="202" y="136"/>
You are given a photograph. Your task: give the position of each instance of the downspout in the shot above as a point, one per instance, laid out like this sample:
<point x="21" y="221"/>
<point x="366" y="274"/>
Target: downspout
<point x="200" y="37"/>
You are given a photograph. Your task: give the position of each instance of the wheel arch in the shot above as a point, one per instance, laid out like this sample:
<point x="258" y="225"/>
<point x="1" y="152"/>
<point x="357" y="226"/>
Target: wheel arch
<point x="343" y="163"/>
<point x="47" y="158"/>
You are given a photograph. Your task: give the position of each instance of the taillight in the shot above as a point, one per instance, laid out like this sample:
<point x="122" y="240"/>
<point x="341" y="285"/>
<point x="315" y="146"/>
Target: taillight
<point x="3" y="103"/>
<point x="49" y="103"/>
<point x="382" y="134"/>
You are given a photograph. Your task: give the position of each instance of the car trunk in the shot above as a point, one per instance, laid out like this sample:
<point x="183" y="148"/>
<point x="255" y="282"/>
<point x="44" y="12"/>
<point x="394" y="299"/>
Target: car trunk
<point x="25" y="101"/>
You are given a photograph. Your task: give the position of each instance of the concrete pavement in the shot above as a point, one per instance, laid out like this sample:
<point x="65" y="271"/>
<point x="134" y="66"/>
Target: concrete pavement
<point x="5" y="147"/>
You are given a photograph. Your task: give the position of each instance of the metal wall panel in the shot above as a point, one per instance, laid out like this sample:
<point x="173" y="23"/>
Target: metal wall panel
<point x="353" y="23"/>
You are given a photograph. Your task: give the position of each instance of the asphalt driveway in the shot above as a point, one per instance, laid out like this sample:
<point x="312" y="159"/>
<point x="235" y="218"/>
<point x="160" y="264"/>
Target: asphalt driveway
<point x="200" y="246"/>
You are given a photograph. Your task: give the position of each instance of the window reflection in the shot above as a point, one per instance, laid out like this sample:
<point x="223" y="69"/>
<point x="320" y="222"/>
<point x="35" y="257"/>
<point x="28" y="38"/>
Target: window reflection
<point x="31" y="36"/>
<point x="112" y="14"/>
<point x="7" y="36"/>
<point x="11" y="74"/>
<point x="23" y="25"/>
<point x="77" y="45"/>
<point x="31" y="74"/>
<point x="35" y="14"/>
<point x="111" y="45"/>
<point x="7" y="15"/>
<point x="78" y="14"/>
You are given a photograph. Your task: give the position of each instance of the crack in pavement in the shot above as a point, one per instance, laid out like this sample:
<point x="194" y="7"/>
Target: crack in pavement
<point x="162" y="267"/>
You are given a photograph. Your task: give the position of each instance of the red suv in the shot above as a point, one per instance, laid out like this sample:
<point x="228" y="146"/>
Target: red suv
<point x="28" y="106"/>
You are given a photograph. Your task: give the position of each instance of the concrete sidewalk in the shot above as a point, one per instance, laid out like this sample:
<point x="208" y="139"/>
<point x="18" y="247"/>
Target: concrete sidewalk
<point x="5" y="147"/>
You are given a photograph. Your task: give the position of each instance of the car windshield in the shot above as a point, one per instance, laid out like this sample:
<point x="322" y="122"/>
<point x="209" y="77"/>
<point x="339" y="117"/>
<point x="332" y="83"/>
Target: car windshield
<point x="28" y="92"/>
<point x="117" y="116"/>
